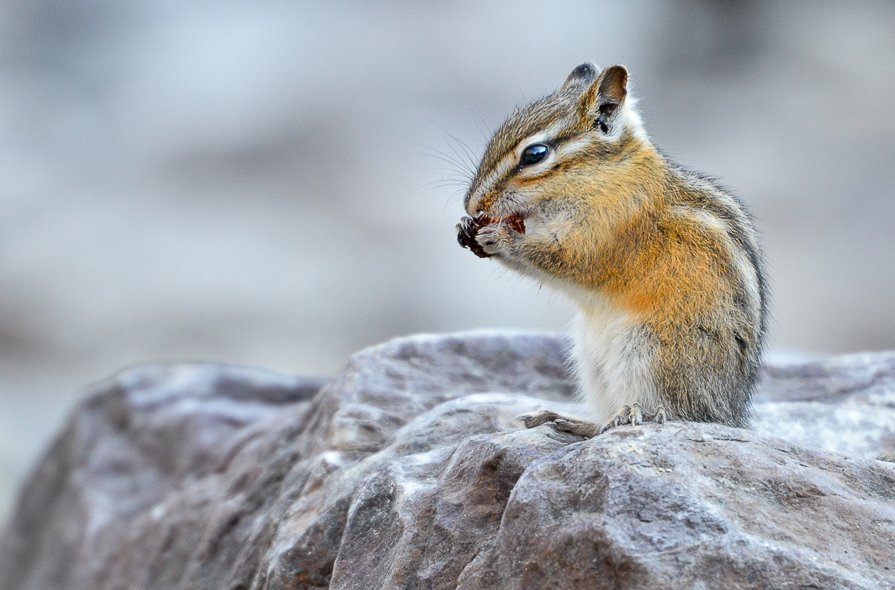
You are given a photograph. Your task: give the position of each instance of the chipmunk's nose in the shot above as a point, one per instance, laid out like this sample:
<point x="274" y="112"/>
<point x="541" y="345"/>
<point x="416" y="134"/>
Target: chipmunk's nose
<point x="480" y="204"/>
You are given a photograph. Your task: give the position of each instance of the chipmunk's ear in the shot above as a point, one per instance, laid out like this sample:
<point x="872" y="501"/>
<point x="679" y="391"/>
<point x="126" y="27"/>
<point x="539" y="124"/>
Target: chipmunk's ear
<point x="583" y="74"/>
<point x="604" y="97"/>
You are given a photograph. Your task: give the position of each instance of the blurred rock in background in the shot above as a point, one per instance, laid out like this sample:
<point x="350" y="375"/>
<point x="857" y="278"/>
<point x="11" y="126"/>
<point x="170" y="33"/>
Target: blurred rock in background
<point x="276" y="183"/>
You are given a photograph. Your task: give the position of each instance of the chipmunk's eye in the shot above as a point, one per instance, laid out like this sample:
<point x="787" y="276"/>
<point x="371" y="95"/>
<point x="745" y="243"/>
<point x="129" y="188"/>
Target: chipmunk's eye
<point x="534" y="154"/>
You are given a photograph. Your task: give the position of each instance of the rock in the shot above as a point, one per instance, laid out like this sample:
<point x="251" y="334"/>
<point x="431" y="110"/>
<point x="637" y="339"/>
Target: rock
<point x="693" y="506"/>
<point x="408" y="471"/>
<point x="844" y="404"/>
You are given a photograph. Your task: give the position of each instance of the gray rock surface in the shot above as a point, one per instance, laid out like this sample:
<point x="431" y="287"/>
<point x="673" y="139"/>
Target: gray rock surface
<point x="408" y="471"/>
<point x="844" y="404"/>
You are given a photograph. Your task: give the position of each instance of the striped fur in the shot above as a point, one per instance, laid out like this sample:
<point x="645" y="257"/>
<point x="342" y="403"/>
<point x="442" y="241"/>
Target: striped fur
<point x="663" y="264"/>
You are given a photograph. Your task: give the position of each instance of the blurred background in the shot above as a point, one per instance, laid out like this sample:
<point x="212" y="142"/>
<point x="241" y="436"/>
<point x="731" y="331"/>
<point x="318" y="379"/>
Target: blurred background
<point x="276" y="183"/>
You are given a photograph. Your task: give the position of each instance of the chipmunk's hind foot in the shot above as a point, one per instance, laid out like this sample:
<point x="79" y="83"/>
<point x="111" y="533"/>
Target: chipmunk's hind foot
<point x="534" y="419"/>
<point x="583" y="428"/>
<point x="560" y="423"/>
<point x="634" y="415"/>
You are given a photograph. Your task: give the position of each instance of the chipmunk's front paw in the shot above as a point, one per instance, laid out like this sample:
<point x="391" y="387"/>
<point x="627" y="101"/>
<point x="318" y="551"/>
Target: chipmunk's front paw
<point x="467" y="230"/>
<point x="495" y="239"/>
<point x="486" y="236"/>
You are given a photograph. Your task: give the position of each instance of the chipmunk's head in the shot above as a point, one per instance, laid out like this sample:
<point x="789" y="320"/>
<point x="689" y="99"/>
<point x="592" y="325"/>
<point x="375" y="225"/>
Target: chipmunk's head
<point x="545" y="145"/>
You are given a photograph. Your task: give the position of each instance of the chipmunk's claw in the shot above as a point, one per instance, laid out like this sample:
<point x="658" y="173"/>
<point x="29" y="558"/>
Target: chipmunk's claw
<point x="634" y="415"/>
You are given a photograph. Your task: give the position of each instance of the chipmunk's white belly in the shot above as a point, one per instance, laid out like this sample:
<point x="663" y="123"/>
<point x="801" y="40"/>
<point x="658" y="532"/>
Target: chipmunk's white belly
<point x="613" y="359"/>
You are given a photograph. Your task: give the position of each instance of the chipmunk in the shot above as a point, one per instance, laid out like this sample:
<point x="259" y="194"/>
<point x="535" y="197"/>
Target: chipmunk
<point x="664" y="266"/>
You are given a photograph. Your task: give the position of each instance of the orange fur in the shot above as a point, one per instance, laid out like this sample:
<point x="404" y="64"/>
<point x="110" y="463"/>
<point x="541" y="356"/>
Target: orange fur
<point x="614" y="223"/>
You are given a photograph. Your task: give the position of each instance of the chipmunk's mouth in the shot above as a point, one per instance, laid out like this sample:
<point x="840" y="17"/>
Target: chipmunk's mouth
<point x="515" y="221"/>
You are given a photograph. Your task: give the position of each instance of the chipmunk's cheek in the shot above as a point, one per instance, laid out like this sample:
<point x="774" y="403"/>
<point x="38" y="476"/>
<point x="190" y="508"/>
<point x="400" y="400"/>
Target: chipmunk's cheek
<point x="535" y="226"/>
<point x="548" y="226"/>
